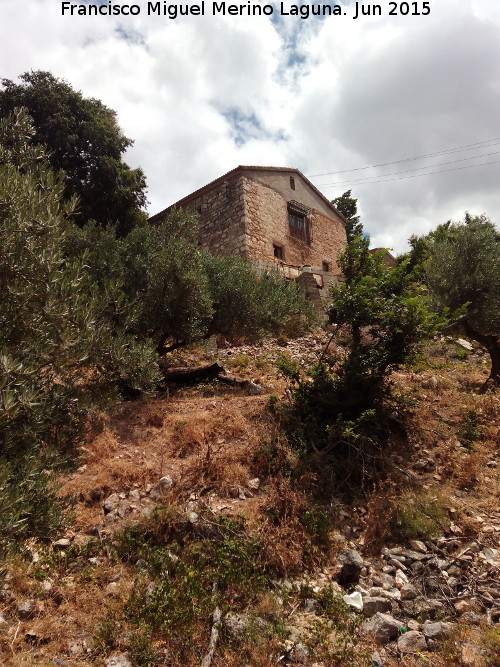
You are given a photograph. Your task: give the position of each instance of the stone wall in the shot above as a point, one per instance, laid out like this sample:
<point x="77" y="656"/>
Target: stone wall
<point x="267" y="226"/>
<point x="244" y="216"/>
<point x="222" y="211"/>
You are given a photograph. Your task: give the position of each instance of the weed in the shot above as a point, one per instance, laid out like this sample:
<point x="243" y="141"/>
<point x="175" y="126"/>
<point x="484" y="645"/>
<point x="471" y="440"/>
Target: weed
<point x="470" y="428"/>
<point x="240" y="361"/>
<point x="491" y="639"/>
<point x="335" y="636"/>
<point x="106" y="635"/>
<point x="289" y="367"/>
<point x="191" y="569"/>
<point x="416" y="515"/>
<point x="262" y="363"/>
<point x="460" y="354"/>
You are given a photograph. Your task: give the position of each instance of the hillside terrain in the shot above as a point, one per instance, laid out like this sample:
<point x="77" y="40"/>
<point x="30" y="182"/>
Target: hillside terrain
<point x="200" y="536"/>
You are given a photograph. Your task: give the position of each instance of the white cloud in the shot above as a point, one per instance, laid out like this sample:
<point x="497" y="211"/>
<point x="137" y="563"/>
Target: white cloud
<point x="200" y="95"/>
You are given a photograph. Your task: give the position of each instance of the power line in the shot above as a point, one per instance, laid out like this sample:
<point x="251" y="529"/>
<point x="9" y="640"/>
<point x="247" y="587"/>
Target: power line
<point x="442" y="171"/>
<point x="405" y="171"/>
<point x="457" y="149"/>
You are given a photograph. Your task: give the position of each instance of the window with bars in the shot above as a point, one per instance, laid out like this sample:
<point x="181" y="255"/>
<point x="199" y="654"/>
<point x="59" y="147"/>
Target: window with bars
<point x="298" y="224"/>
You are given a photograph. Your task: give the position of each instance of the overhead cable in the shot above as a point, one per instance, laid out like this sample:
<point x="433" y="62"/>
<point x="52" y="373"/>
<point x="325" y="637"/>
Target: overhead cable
<point x="478" y="144"/>
<point x="401" y="178"/>
<point x="405" y="171"/>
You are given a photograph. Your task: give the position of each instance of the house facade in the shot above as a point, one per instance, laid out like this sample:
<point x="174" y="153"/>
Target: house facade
<point x="272" y="216"/>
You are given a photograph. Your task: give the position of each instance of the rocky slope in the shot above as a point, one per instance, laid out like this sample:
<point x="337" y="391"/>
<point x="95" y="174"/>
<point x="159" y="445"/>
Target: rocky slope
<point x="206" y="468"/>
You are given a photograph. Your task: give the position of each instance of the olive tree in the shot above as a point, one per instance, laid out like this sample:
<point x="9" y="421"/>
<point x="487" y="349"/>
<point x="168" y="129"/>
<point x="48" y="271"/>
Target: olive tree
<point x="61" y="356"/>
<point x="463" y="271"/>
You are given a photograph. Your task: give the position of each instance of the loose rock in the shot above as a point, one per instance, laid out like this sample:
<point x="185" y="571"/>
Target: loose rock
<point x="351" y="564"/>
<point x="412" y="642"/>
<point x="111" y="503"/>
<point x="119" y="660"/>
<point x="239" y="626"/>
<point x="383" y="627"/>
<point x="26" y="609"/>
<point x="408" y="592"/>
<point x="438" y="630"/>
<point x="161" y="488"/>
<point x="378" y="604"/>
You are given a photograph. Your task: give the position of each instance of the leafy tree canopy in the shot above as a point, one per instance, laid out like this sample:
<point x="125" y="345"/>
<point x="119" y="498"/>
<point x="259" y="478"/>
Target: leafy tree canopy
<point x="347" y="205"/>
<point x="180" y="294"/>
<point x="463" y="270"/>
<point x="380" y="316"/>
<point x="61" y="356"/>
<point x="85" y="141"/>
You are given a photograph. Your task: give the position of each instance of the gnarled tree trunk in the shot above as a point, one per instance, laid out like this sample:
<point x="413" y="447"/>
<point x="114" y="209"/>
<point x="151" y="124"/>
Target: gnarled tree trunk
<point x="492" y="343"/>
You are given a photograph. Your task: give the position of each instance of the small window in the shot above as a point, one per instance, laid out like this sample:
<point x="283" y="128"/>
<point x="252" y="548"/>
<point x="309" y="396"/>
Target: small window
<point x="278" y="251"/>
<point x="326" y="267"/>
<point x="292" y="182"/>
<point x="297" y="224"/>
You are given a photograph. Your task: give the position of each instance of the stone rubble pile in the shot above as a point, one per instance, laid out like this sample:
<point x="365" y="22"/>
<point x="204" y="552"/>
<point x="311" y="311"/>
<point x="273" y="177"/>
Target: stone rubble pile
<point x="306" y="349"/>
<point x="411" y="597"/>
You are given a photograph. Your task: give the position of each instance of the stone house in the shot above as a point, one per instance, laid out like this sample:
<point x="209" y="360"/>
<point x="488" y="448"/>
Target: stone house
<point x="275" y="218"/>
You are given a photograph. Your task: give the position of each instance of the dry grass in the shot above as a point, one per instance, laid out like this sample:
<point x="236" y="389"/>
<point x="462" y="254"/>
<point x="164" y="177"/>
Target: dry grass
<point x="212" y="440"/>
<point x="216" y="468"/>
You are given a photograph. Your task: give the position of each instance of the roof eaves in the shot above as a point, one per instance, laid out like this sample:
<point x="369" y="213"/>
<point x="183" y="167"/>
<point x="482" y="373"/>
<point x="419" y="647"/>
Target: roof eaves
<point x="234" y="171"/>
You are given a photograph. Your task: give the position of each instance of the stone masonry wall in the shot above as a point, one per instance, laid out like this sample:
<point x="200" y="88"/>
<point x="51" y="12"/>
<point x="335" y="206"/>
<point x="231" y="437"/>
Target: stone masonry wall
<point x="267" y="225"/>
<point x="222" y="212"/>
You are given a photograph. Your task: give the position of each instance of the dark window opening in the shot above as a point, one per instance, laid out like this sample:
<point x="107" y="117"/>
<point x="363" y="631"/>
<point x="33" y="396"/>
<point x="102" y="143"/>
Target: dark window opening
<point x="326" y="266"/>
<point x="297" y="225"/>
<point x="278" y="251"/>
<point x="292" y="182"/>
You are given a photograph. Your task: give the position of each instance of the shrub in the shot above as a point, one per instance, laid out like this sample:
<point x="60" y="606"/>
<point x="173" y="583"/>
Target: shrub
<point x="59" y="357"/>
<point x="470" y="428"/>
<point x="416" y="516"/>
<point x="381" y="317"/>
<point x="177" y="293"/>
<point x="192" y="569"/>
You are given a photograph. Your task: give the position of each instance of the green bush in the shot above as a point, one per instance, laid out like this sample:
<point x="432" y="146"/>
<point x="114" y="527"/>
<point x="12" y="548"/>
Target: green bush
<point x="60" y="358"/>
<point x="179" y="294"/>
<point x="381" y="317"/>
<point x="416" y="516"/>
<point x="470" y="428"/>
<point x="190" y="571"/>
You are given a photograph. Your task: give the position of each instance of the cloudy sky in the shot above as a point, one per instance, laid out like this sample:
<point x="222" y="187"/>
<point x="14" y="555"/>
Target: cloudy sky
<point x="331" y="96"/>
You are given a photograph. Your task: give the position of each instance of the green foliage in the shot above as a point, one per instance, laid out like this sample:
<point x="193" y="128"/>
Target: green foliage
<point x="239" y="361"/>
<point x="463" y="272"/>
<point x="84" y="141"/>
<point x="470" y="428"/>
<point x="416" y="516"/>
<point x="339" y="622"/>
<point x="289" y="367"/>
<point x="106" y="635"/>
<point x="348" y="206"/>
<point x="179" y="294"/>
<point x="461" y="354"/>
<point x="253" y="305"/>
<point x="381" y="317"/>
<point x="190" y="572"/>
<point x="59" y="358"/>
<point x="141" y="649"/>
